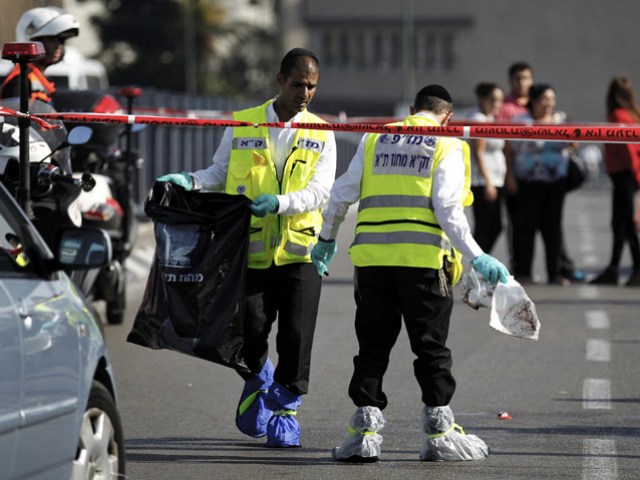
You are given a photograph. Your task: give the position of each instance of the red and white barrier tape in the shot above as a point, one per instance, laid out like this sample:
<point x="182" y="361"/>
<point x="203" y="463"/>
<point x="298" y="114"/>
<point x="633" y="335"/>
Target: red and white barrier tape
<point x="606" y="133"/>
<point x="44" y="125"/>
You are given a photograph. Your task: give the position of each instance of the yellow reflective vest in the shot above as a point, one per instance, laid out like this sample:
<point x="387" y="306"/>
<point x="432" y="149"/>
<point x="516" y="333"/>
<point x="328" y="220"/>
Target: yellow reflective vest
<point x="275" y="239"/>
<point x="396" y="222"/>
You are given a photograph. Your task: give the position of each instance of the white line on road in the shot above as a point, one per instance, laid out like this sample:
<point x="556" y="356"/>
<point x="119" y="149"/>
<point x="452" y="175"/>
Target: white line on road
<point x="599" y="460"/>
<point x="597" y="320"/>
<point x="596" y="394"/>
<point x="598" y="350"/>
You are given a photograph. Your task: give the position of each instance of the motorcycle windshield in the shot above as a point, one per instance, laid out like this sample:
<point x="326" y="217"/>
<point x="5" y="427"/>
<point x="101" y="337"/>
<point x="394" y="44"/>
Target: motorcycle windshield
<point x="53" y="136"/>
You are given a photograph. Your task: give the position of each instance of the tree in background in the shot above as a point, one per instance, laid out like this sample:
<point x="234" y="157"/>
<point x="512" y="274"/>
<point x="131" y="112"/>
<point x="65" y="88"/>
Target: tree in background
<point x="249" y="69"/>
<point x="143" y="43"/>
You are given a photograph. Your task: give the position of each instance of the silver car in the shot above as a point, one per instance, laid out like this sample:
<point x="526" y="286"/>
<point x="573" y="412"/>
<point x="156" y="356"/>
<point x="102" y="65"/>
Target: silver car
<point x="58" y="414"/>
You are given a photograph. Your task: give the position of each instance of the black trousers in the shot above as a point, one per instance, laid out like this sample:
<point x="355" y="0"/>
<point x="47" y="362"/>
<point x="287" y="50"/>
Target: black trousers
<point x="539" y="208"/>
<point x="487" y="218"/>
<point x="622" y="225"/>
<point x="423" y="298"/>
<point x="290" y="293"/>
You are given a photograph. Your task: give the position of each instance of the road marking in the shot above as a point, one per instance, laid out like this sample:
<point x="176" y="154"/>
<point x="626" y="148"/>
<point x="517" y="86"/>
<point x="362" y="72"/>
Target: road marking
<point x="599" y="460"/>
<point x="588" y="291"/>
<point x="598" y="350"/>
<point x="596" y="394"/>
<point x="597" y="320"/>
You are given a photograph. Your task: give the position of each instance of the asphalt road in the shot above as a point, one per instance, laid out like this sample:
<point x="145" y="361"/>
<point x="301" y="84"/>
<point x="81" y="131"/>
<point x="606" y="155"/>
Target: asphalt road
<point x="573" y="395"/>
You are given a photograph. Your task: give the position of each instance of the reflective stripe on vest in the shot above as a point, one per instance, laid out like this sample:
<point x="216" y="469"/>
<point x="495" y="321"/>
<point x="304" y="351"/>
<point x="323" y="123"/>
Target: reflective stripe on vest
<point x="297" y="249"/>
<point x="400" y="237"/>
<point x="275" y="239"/>
<point x="391" y="201"/>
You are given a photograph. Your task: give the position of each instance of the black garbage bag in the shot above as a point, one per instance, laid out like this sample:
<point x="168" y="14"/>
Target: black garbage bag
<point x="194" y="301"/>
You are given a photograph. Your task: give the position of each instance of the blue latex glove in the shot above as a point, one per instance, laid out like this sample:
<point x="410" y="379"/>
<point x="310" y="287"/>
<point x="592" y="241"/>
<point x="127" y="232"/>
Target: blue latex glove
<point x="182" y="179"/>
<point x="491" y="268"/>
<point x="322" y="255"/>
<point x="264" y="205"/>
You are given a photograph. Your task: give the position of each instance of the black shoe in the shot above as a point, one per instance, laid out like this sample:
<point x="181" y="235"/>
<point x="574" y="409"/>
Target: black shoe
<point x="608" y="277"/>
<point x="634" y="279"/>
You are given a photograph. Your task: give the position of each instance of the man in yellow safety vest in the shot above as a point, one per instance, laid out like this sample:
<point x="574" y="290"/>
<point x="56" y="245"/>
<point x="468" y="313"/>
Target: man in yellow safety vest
<point x="288" y="174"/>
<point x="412" y="189"/>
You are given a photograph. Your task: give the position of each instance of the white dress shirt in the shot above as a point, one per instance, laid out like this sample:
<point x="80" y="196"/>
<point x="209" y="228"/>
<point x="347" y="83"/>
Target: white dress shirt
<point x="448" y="183"/>
<point x="313" y="197"/>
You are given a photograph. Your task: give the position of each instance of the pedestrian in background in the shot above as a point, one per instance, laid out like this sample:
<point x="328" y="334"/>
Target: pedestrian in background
<point x="488" y="169"/>
<point x="520" y="76"/>
<point x="622" y="162"/>
<point x="288" y="174"/>
<point x="515" y="103"/>
<point x="412" y="190"/>
<point x="539" y="169"/>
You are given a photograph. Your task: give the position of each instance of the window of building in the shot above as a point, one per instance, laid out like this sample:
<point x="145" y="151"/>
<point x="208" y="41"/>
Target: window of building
<point x="380" y="49"/>
<point x="448" y="52"/>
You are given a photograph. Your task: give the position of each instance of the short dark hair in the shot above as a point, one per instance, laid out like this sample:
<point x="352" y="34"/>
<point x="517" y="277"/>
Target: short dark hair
<point x="518" y="67"/>
<point x="484" y="89"/>
<point x="290" y="60"/>
<point x="536" y="90"/>
<point x="433" y="98"/>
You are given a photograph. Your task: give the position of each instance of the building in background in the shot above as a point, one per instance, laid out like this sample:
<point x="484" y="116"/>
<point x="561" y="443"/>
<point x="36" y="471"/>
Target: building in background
<point x="375" y="53"/>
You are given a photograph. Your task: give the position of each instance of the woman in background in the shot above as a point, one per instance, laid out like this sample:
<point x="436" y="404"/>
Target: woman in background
<point x="488" y="169"/>
<point x="538" y="170"/>
<point x="622" y="162"/>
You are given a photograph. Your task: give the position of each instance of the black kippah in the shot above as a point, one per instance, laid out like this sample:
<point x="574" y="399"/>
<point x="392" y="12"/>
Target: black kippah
<point x="300" y="52"/>
<point x="435" y="90"/>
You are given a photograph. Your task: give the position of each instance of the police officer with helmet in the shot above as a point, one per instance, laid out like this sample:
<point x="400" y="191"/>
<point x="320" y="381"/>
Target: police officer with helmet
<point x="52" y="26"/>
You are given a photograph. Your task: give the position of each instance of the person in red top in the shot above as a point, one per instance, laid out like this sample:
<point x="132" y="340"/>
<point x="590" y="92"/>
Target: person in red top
<point x="515" y="103"/>
<point x="52" y="26"/>
<point x="622" y="162"/>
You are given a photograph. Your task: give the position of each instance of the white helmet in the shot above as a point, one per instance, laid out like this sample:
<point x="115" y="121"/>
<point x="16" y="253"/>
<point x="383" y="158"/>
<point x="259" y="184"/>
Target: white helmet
<point x="46" y="22"/>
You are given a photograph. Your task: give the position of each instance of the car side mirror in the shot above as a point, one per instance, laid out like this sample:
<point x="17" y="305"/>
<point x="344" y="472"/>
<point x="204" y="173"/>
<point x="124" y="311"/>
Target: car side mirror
<point x="83" y="248"/>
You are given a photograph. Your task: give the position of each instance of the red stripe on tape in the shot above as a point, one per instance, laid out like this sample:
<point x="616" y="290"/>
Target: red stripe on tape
<point x="609" y="133"/>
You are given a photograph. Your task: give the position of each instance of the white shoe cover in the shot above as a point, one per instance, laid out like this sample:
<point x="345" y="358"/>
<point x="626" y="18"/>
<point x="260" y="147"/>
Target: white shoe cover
<point x="363" y="442"/>
<point x="446" y="441"/>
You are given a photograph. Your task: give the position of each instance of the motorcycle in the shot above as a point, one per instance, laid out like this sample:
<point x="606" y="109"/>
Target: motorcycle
<point x="109" y="205"/>
<point x="54" y="192"/>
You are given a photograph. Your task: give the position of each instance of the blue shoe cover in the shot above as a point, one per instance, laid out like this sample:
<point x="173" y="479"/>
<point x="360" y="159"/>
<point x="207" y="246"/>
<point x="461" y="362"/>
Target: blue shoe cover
<point x="283" y="430"/>
<point x="252" y="415"/>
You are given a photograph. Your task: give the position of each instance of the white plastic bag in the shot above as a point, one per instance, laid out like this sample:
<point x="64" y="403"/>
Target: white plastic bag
<point x="513" y="312"/>
<point x="476" y="291"/>
<point x="363" y="442"/>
